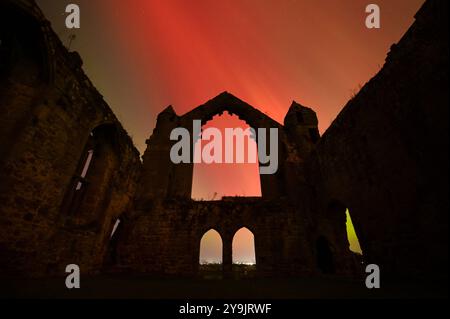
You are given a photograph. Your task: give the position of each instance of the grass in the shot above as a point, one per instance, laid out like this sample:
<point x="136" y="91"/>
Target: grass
<point x="214" y="271"/>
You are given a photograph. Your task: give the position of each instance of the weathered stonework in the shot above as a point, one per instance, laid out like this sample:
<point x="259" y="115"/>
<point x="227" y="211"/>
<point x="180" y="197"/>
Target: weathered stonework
<point x="385" y="158"/>
<point x="164" y="232"/>
<point x="49" y="109"/>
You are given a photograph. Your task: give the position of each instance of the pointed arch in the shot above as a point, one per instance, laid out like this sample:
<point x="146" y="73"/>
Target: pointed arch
<point x="228" y="102"/>
<point x="243" y="247"/>
<point x="211" y="248"/>
<point x="91" y="184"/>
<point x="232" y="135"/>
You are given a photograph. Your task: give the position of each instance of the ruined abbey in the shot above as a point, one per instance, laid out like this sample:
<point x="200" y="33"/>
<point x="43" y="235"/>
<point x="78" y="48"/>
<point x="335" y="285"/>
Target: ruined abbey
<point x="385" y="158"/>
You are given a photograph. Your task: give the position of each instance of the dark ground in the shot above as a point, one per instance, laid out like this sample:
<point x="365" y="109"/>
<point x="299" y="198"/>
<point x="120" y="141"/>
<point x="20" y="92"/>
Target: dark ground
<point x="127" y="286"/>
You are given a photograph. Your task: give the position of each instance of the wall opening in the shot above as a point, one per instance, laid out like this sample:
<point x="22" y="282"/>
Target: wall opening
<point x="211" y="248"/>
<point x="351" y="235"/>
<point x="211" y="255"/>
<point x="92" y="180"/>
<point x="337" y="211"/>
<point x="216" y="180"/>
<point x="243" y="253"/>
<point x="324" y="256"/>
<point x="87" y="164"/>
<point x="111" y="258"/>
<point x="116" y="225"/>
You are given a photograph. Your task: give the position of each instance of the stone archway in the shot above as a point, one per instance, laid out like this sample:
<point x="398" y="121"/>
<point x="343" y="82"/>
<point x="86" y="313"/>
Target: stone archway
<point x="243" y="253"/>
<point x="244" y="247"/>
<point x="168" y="201"/>
<point x="234" y="167"/>
<point x="211" y="254"/>
<point x="176" y="179"/>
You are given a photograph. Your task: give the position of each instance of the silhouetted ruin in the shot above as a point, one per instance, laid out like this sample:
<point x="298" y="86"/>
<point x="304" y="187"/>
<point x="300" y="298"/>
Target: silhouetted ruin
<point x="385" y="158"/>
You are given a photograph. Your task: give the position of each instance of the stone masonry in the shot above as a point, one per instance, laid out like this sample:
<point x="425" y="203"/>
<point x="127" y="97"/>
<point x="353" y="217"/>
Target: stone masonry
<point x="69" y="171"/>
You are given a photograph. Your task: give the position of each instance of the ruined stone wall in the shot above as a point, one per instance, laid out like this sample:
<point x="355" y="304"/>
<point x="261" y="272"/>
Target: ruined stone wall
<point x="49" y="109"/>
<point x="176" y="180"/>
<point x="385" y="157"/>
<point x="167" y="240"/>
<point x="162" y="234"/>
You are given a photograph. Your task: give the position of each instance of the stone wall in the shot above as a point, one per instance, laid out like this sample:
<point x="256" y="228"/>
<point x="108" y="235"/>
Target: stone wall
<point x="162" y="234"/>
<point x="385" y="157"/>
<point x="49" y="111"/>
<point x="69" y="171"/>
<point x="167" y="239"/>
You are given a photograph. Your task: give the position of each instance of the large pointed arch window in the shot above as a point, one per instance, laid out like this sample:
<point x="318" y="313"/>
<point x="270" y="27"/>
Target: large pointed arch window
<point x="212" y="181"/>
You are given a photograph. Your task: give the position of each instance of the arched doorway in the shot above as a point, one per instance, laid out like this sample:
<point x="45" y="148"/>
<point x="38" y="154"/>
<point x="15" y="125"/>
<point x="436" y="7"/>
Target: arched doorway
<point x="211" y="255"/>
<point x="324" y="256"/>
<point x="243" y="253"/>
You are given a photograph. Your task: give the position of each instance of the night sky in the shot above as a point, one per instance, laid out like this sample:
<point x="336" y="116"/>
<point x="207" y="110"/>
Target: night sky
<point x="144" y="55"/>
